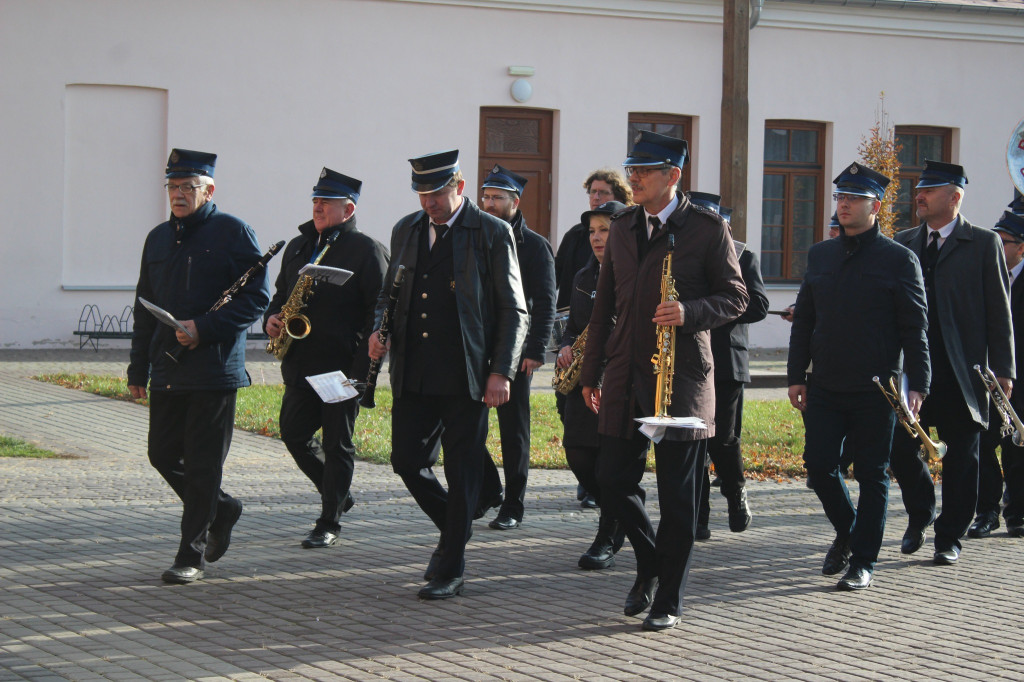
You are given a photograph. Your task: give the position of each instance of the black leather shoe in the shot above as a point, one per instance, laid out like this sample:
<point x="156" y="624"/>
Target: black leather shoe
<point x="659" y="621"/>
<point x="319" y="538"/>
<point x="1015" y="530"/>
<point x="837" y="558"/>
<point x="739" y="512"/>
<point x="488" y="505"/>
<point x="601" y="553"/>
<point x="442" y="588"/>
<point x="855" y="579"/>
<point x="348" y="504"/>
<point x="219" y="536"/>
<point x="182" y="575"/>
<point x="505" y="522"/>
<point x="588" y="502"/>
<point x="913" y="539"/>
<point x="703" y="533"/>
<point x="640" y="596"/>
<point x="983" y="525"/>
<point x="946" y="557"/>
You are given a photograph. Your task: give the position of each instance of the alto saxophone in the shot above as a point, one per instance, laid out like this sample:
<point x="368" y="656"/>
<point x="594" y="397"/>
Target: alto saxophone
<point x="295" y="325"/>
<point x="664" y="358"/>
<point x="566" y="378"/>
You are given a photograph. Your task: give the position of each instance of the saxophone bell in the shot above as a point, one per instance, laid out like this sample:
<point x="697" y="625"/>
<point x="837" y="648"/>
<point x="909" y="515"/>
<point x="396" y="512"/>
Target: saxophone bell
<point x="298" y="326"/>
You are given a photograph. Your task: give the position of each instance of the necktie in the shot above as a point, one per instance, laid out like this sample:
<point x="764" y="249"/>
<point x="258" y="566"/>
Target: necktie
<point x="655" y="223"/>
<point x="436" y="232"/>
<point x="931" y="254"/>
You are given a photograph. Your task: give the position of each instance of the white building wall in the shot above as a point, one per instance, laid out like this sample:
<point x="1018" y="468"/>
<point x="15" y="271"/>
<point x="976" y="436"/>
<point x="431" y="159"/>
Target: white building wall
<point x="279" y="89"/>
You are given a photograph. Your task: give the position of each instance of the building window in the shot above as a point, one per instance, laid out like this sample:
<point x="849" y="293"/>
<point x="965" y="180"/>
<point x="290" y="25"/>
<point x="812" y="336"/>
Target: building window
<point x="666" y="124"/>
<point x="791" y="208"/>
<point x="919" y="144"/>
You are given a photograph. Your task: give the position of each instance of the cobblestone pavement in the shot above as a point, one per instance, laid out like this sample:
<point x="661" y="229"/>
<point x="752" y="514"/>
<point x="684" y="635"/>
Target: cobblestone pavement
<point x="84" y="541"/>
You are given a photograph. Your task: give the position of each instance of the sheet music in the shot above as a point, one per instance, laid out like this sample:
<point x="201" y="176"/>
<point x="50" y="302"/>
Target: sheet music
<point x="332" y="387"/>
<point x="654" y="427"/>
<point x="326" y="274"/>
<point x="164" y="316"/>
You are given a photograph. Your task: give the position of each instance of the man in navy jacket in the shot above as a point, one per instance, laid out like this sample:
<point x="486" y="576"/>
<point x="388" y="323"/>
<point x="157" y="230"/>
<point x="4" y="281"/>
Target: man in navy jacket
<point x="194" y="373"/>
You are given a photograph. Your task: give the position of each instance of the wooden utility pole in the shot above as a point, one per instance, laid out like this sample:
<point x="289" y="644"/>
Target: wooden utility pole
<point x="735" y="112"/>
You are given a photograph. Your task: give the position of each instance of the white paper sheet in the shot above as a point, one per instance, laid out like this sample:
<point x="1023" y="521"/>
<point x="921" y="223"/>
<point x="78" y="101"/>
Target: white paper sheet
<point x="654" y="427"/>
<point x="332" y="387"/>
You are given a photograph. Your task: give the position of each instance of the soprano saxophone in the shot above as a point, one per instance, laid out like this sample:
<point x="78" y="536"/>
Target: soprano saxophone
<point x="664" y="358"/>
<point x="295" y="325"/>
<point x="566" y="378"/>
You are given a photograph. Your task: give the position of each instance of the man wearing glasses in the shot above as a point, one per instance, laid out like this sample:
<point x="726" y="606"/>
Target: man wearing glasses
<point x="862" y="302"/>
<point x="194" y="372"/>
<point x="500" y="195"/>
<point x="618" y="376"/>
<point x="967" y="286"/>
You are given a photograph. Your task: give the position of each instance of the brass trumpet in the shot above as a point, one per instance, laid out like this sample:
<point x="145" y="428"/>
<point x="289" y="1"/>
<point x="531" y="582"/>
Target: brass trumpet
<point x="931" y="450"/>
<point x="1011" y="422"/>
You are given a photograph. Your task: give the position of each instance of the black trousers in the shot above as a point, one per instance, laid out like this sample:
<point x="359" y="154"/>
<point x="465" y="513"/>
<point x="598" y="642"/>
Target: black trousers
<point x="421" y="425"/>
<point x="990" y="473"/>
<point x="724" y="448"/>
<point x="863" y="420"/>
<point x="329" y="463"/>
<point x="946" y="410"/>
<point x="665" y="554"/>
<point x="189" y="436"/>
<point x="514" y="427"/>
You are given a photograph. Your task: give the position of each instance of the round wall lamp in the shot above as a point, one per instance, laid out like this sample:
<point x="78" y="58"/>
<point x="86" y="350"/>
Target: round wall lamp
<point x="521" y="90"/>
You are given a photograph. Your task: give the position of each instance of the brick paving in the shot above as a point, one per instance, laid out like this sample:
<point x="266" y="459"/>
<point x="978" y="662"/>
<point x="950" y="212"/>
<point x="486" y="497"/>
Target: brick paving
<point x="84" y="541"/>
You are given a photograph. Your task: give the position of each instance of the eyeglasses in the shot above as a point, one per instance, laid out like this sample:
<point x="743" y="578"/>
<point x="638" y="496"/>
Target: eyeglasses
<point x="643" y="171"/>
<point x="840" y="196"/>
<point x="601" y="193"/>
<point x="184" y="189"/>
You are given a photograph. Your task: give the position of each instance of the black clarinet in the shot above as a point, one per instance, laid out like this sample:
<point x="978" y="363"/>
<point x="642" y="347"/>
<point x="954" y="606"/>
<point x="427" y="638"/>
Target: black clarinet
<point x="383" y="333"/>
<point x="225" y="298"/>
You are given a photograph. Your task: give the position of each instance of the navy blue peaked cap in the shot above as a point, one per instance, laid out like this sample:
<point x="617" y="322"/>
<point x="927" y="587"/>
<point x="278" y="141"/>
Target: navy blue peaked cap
<point x="335" y="185"/>
<point x="861" y="181"/>
<point x="707" y="200"/>
<point x="431" y="172"/>
<point x="503" y="178"/>
<point x="1011" y="224"/>
<point x="726" y="214"/>
<point x="608" y="208"/>
<point x="655" y="149"/>
<point x="833" y="221"/>
<point x="1017" y="205"/>
<point x="185" y="163"/>
<point x="938" y="173"/>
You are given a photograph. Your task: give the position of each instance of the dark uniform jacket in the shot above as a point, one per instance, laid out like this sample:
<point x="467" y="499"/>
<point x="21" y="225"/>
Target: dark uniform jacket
<point x="861" y="305"/>
<point x="488" y="293"/>
<point x="341" y="317"/>
<point x="186" y="265"/>
<point x="537" y="268"/>
<point x="1017" y="313"/>
<point x="973" y="308"/>
<point x="580" y="421"/>
<point x="573" y="253"/>
<point x="729" y="343"/>
<point x="711" y="290"/>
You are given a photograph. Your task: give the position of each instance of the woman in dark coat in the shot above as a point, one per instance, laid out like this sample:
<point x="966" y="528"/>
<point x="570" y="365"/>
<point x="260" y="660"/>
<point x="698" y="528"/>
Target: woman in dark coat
<point x="580" y="439"/>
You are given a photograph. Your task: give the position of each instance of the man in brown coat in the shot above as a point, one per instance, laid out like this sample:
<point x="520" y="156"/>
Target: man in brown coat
<point x="620" y="343"/>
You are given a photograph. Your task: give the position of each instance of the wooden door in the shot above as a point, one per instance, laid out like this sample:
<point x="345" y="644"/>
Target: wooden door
<point x="520" y="140"/>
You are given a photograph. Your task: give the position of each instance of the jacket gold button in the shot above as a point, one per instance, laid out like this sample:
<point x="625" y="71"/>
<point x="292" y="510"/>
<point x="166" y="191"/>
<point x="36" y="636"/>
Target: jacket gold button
<point x="423" y="316"/>
<point x="423" y="295"/>
<point x="425" y="334"/>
